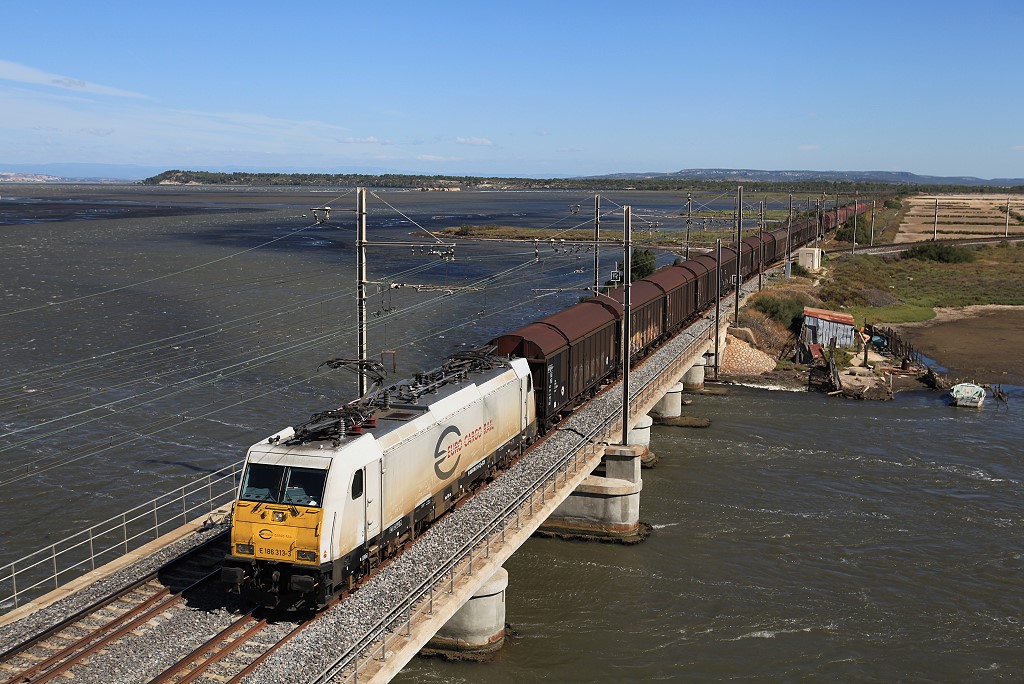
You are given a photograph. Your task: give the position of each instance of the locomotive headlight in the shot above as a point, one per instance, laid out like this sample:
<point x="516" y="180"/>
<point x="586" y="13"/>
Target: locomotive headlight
<point x="244" y="548"/>
<point x="278" y="516"/>
<point x="306" y="555"/>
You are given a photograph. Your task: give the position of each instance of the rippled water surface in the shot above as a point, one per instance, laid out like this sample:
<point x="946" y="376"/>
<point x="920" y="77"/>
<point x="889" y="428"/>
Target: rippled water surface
<point x="799" y="538"/>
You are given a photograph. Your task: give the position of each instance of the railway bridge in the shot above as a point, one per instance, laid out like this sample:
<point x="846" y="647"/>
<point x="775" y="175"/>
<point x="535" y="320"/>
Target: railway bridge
<point x="371" y="635"/>
<point x="480" y="536"/>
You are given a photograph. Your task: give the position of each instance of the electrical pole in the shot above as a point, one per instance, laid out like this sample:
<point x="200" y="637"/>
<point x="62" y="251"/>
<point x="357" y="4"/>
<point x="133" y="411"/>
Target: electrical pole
<point x="760" y="260"/>
<point x="872" y="223"/>
<point x="739" y="240"/>
<point x="718" y="306"/>
<point x="935" y="228"/>
<point x="1006" y="233"/>
<point x="361" y="285"/>
<point x="855" y="207"/>
<point x="817" y="222"/>
<point x="689" y="210"/>
<point x="627" y="228"/>
<point x="597" y="244"/>
<point x="789" y="227"/>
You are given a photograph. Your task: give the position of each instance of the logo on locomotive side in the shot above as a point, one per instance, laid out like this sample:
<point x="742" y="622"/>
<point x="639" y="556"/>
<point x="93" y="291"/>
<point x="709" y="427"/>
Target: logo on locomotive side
<point x="266" y="534"/>
<point x="441" y="453"/>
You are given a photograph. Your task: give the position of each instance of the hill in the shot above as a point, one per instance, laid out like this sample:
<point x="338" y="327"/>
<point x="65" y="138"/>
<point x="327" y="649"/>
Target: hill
<point x="759" y="176"/>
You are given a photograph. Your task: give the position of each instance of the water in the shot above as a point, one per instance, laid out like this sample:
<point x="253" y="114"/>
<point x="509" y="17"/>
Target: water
<point x="798" y="538"/>
<point x="149" y="335"/>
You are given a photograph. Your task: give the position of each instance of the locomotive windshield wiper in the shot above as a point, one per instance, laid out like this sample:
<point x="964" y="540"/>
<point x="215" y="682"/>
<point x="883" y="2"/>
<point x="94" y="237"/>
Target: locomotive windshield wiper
<point x="260" y="502"/>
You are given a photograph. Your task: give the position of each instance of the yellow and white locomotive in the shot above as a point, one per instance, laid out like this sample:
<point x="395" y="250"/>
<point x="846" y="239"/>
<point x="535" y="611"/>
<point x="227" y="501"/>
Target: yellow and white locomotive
<point x="322" y="504"/>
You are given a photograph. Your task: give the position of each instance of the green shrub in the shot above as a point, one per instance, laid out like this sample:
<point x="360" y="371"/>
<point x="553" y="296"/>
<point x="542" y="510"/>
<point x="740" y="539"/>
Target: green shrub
<point x="893" y="204"/>
<point x="789" y="310"/>
<point x="796" y="269"/>
<point x="946" y="254"/>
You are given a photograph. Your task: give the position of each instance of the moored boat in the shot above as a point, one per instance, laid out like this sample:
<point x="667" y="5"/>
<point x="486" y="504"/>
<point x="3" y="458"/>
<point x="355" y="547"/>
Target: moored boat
<point x="967" y="394"/>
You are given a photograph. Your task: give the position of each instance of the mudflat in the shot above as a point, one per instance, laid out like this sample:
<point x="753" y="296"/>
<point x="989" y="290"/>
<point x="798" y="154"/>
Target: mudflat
<point x="980" y="343"/>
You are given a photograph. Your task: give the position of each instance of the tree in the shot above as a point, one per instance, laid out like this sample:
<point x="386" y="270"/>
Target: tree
<point x="642" y="264"/>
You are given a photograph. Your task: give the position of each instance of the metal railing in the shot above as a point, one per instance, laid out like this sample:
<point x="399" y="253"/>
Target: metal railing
<point x="397" y="624"/>
<point x="55" y="565"/>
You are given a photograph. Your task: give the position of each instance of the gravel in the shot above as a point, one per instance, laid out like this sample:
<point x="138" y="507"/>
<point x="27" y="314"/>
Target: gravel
<point x="45" y="618"/>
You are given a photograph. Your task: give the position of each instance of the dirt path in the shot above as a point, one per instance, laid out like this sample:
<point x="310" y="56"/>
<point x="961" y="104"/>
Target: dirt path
<point x="980" y="343"/>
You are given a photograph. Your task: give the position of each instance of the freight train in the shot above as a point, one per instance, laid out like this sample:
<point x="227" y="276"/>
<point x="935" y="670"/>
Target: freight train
<point x="322" y="504"/>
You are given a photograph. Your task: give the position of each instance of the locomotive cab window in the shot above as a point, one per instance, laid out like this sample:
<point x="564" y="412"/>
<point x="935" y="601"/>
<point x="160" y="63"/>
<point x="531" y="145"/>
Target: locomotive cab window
<point x="283" y="484"/>
<point x="357" y="484"/>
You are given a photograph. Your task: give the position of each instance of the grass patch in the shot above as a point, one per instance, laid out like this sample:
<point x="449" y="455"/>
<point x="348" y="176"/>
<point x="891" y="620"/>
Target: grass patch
<point x="916" y="286"/>
<point x="896" y="313"/>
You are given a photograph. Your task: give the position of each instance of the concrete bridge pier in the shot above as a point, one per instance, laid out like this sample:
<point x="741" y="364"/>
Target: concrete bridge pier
<point x="670" y="405"/>
<point x="640" y="436"/>
<point x="693" y="379"/>
<point x="605" y="506"/>
<point x="478" y="628"/>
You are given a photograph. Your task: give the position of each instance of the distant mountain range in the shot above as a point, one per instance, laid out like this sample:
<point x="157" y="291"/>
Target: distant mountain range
<point x="754" y="175"/>
<point x="50" y="173"/>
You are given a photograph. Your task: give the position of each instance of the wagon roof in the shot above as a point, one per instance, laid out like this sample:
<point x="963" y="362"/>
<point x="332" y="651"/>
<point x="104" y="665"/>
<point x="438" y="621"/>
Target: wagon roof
<point x="670" y="278"/>
<point x="640" y="292"/>
<point x="546" y="339"/>
<point x="580" y="320"/>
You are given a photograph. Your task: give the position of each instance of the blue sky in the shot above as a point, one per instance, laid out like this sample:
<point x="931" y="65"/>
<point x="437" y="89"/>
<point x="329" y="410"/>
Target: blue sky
<point x="522" y="88"/>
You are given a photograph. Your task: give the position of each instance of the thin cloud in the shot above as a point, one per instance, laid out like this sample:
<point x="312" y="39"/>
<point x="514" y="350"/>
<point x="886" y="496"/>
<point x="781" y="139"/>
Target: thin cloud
<point x="469" y="140"/>
<point x="809" y="148"/>
<point x="436" y="158"/>
<point x="368" y="140"/>
<point x="11" y="71"/>
<point x="1018" y="148"/>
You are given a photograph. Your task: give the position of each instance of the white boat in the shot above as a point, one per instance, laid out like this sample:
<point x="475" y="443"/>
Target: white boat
<point x="967" y="394"/>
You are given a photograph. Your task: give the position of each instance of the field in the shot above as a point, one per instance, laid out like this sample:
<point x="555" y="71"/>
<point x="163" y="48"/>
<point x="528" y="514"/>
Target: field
<point x="960" y="216"/>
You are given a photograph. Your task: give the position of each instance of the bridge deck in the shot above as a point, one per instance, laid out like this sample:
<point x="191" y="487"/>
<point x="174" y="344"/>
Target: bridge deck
<point x="394" y="615"/>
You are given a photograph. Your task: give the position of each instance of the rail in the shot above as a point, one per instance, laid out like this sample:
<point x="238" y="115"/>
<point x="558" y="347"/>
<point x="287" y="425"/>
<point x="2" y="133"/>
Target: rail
<point x="398" y="623"/>
<point x="61" y="562"/>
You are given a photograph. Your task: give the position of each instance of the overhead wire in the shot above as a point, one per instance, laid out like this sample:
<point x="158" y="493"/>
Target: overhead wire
<point x="220" y="373"/>
<point x="247" y="364"/>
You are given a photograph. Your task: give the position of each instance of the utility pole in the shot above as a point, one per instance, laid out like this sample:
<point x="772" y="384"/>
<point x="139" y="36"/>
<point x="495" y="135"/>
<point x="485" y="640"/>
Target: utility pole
<point x="935" y="228"/>
<point x="627" y="228"/>
<point x="597" y="244"/>
<point x="760" y="260"/>
<point x="361" y="285"/>
<point x="689" y="211"/>
<point x="1006" y="233"/>
<point x="817" y="222"/>
<point x="739" y="240"/>
<point x="789" y="227"/>
<point x="872" y="223"/>
<point x="854" y="249"/>
<point x="718" y="306"/>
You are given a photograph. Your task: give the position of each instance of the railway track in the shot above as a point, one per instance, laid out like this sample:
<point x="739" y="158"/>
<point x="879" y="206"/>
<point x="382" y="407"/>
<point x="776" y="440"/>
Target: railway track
<point x="176" y="625"/>
<point x="231" y="654"/>
<point x="72" y="642"/>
